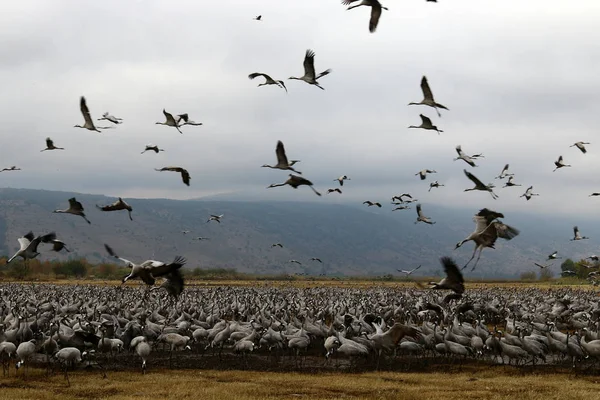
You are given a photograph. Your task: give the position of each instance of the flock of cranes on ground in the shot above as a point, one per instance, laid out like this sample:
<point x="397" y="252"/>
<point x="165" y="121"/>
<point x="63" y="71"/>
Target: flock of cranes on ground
<point x="374" y="327"/>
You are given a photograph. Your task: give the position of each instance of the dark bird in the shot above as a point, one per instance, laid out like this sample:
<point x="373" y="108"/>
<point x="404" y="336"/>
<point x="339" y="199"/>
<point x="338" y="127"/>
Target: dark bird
<point x="376" y="8"/>
<point x="426" y="124"/>
<point x="576" y="235"/>
<point x="75" y="208"/>
<point x="479" y="185"/>
<point x="594" y="194"/>
<point x="453" y="281"/>
<point x="435" y="184"/>
<point x="401" y="208"/>
<point x="554" y="256"/>
<point x="529" y="193"/>
<point x="257" y="18"/>
<point x="13" y="168"/>
<point x="58" y="245"/>
<point x="268" y="80"/>
<point x="370" y="203"/>
<point x="543" y="266"/>
<point x="282" y="160"/>
<point x="560" y="164"/>
<point x="423" y="173"/>
<point x="334" y="190"/>
<point x="510" y="182"/>
<point x="295" y="181"/>
<point x="116" y="206"/>
<point x="504" y="173"/>
<point x="277" y="245"/>
<point x="185" y="176"/>
<point x="50" y="145"/>
<point x="341" y="179"/>
<point x="428" y="97"/>
<point x="173" y="283"/>
<point x="316" y="259"/>
<point x="310" y="76"/>
<point x="151" y="147"/>
<point x="487" y="231"/>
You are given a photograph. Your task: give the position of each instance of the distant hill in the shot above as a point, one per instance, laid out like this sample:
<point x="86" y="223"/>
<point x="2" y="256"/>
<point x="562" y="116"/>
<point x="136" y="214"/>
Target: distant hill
<point x="348" y="238"/>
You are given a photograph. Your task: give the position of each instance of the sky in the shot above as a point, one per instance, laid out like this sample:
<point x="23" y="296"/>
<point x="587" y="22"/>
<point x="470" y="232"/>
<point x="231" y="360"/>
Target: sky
<point x="520" y="80"/>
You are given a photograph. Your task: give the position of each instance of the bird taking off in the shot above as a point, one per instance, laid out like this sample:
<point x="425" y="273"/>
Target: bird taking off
<point x="28" y="245"/>
<point x="453" y="281"/>
<point x="376" y="8"/>
<point x="295" y="181"/>
<point x="487" y="230"/>
<point x="310" y="76"/>
<point x="428" y="97"/>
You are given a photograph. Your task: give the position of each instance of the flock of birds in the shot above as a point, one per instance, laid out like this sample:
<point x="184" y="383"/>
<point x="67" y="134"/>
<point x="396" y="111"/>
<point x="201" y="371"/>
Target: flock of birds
<point x="69" y="325"/>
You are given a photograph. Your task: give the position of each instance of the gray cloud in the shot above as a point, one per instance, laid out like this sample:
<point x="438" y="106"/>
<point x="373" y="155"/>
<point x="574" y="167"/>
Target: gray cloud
<point x="519" y="80"/>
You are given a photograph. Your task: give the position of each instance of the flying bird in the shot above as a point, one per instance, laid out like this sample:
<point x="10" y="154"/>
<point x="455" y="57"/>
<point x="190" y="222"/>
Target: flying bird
<point x="106" y="116"/>
<point x="296" y="262"/>
<point x="75" y="208"/>
<point x="510" y="182"/>
<point x="295" y="181"/>
<point x="201" y="238"/>
<point x="149" y="269"/>
<point x="187" y="121"/>
<point x="171" y="121"/>
<point x="592" y="257"/>
<point x="282" y="161"/>
<point x="58" y="245"/>
<point x="277" y="245"/>
<point x="410" y="272"/>
<point x="50" y="145"/>
<point x="257" y="18"/>
<point x="421" y="217"/>
<point x="28" y="245"/>
<point x="504" y="173"/>
<point x="376" y="8"/>
<point x="310" y="76"/>
<point x="216" y="218"/>
<point x="89" y="123"/>
<point x="185" y="175"/>
<point x="435" y="184"/>
<point x="479" y="185"/>
<point x="423" y="173"/>
<point x="316" y="259"/>
<point x="560" y="164"/>
<point x="487" y="230"/>
<point x="453" y="281"/>
<point x="341" y="179"/>
<point x="268" y="80"/>
<point x="529" y="193"/>
<point x="401" y="208"/>
<point x="426" y="124"/>
<point x="370" y="203"/>
<point x="594" y="194"/>
<point x="400" y="197"/>
<point x="428" y="97"/>
<point x="543" y="266"/>
<point x="464" y="157"/>
<point x="576" y="235"/>
<point x="117" y="205"/>
<point x="13" y="168"/>
<point x="334" y="190"/>
<point x="554" y="256"/>
<point x="580" y="146"/>
<point x="151" y="147"/>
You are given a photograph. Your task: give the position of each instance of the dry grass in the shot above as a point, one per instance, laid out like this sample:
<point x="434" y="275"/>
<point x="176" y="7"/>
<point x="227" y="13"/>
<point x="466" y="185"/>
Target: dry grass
<point x="488" y="383"/>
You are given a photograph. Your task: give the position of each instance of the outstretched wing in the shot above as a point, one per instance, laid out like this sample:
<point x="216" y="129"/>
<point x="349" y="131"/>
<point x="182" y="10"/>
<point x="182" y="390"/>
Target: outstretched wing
<point x="425" y="88"/>
<point x="474" y="179"/>
<point x="85" y="111"/>
<point x="173" y="283"/>
<point x="74" y="204"/>
<point x="505" y="231"/>
<point x="419" y="213"/>
<point x="375" y="14"/>
<point x="575" y="231"/>
<point x="452" y="272"/>
<point x="161" y="269"/>
<point x="255" y="74"/>
<point x="309" y="64"/>
<point x="280" y="151"/>
<point x="117" y="205"/>
<point x="49" y="143"/>
<point x="29" y="236"/>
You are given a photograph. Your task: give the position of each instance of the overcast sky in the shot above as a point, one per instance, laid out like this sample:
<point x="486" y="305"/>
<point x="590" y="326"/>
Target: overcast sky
<point x="520" y="79"/>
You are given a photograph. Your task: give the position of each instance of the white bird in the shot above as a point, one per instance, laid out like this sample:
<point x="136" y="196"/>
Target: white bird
<point x="171" y="121"/>
<point x="421" y="217"/>
<point x="376" y="8"/>
<point x="560" y="164"/>
<point x="426" y="124"/>
<point x="268" y="80"/>
<point x="50" y="145"/>
<point x="510" y="182"/>
<point x="106" y="116"/>
<point x="410" y="272"/>
<point x="504" y="173"/>
<point x="341" y="179"/>
<point x="423" y="173"/>
<point x="216" y="218"/>
<point x="554" y="256"/>
<point x="464" y="157"/>
<point x="151" y="147"/>
<point x="479" y="185"/>
<point x="435" y="184"/>
<point x="529" y="193"/>
<point x="428" y="97"/>
<point x="24" y="351"/>
<point x="75" y="208"/>
<point x="487" y="231"/>
<point x="89" y="123"/>
<point x="282" y="161"/>
<point x="576" y="235"/>
<point x="142" y="349"/>
<point x="580" y="146"/>
<point x="29" y="244"/>
<point x="187" y="121"/>
<point x="310" y="76"/>
<point x="295" y="181"/>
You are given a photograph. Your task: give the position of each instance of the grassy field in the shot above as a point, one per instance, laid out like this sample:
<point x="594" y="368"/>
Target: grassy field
<point x="489" y="383"/>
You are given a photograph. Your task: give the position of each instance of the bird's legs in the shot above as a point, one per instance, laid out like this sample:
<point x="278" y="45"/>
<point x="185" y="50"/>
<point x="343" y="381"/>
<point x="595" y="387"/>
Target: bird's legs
<point x="476" y="261"/>
<point x="472" y="257"/>
<point x="315" y="190"/>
